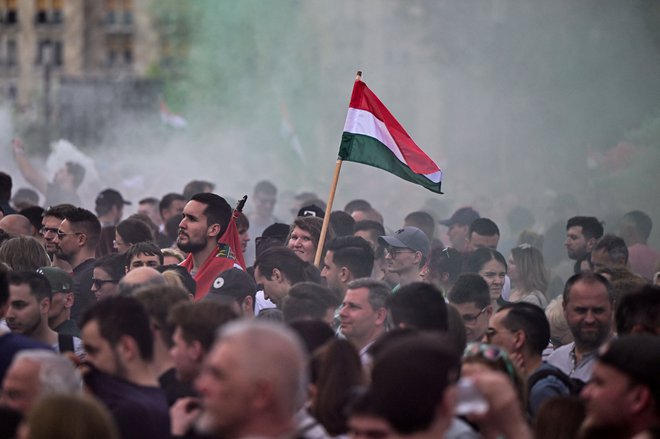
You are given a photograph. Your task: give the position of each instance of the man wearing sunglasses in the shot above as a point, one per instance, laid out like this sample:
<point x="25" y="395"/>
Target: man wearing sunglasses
<point x="50" y="224"/>
<point x="75" y="243"/>
<point x="406" y="251"/>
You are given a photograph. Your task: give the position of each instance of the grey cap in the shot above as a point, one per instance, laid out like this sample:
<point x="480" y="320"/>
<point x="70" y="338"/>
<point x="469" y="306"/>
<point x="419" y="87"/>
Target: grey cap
<point x="230" y="285"/>
<point x="60" y="281"/>
<point x="408" y="237"/>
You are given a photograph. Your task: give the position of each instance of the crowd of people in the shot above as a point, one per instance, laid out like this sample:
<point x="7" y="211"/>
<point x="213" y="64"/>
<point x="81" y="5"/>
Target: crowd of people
<point x="193" y="319"/>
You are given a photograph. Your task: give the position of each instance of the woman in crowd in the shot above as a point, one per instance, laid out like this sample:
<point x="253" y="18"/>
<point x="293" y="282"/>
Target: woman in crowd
<point x="491" y="266"/>
<point x="129" y="232"/>
<point x="529" y="280"/>
<point x="304" y="237"/>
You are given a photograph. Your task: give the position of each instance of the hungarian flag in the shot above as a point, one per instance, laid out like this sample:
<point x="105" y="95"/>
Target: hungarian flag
<point x="230" y="238"/>
<point x="373" y="136"/>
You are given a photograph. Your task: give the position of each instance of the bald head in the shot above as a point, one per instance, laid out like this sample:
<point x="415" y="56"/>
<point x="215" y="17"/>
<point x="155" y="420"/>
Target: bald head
<point x="16" y="224"/>
<point x="139" y="277"/>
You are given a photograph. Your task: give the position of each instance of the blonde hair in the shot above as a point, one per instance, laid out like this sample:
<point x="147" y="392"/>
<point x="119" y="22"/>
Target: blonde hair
<point x="173" y="253"/>
<point x="531" y="268"/>
<point x="560" y="333"/>
<point x="24" y="253"/>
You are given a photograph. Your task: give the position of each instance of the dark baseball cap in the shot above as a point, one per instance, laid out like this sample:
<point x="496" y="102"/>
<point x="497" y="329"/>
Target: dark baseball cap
<point x="408" y="237"/>
<point x="110" y="197"/>
<point x="60" y="281"/>
<point x="231" y="285"/>
<point x="464" y="215"/>
<point x="311" y="210"/>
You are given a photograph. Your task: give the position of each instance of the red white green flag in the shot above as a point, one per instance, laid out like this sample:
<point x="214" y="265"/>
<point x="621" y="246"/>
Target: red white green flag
<point x="372" y="136"/>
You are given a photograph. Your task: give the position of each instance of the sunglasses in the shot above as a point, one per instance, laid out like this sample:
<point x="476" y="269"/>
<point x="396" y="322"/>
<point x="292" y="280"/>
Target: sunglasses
<point x="98" y="283"/>
<point x="490" y="353"/>
<point x="61" y="234"/>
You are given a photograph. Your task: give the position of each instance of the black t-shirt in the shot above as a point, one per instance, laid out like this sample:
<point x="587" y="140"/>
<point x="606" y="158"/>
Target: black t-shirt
<point x="83" y="297"/>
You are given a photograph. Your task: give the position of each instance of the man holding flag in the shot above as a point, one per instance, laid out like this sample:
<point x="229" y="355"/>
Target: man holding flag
<point x="208" y="233"/>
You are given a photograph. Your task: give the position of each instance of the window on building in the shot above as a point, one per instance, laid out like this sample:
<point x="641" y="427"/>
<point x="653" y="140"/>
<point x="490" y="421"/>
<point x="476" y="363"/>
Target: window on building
<point x="11" y="11"/>
<point x="49" y="11"/>
<point x="11" y="53"/>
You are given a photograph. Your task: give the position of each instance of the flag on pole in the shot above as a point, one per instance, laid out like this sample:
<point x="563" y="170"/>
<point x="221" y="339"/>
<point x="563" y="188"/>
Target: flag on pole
<point x="372" y="136"/>
<point x="230" y="238"/>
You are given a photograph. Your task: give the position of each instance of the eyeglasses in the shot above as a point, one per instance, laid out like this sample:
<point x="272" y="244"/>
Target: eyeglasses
<point x="471" y="318"/>
<point x="98" y="283"/>
<point x="490" y="353"/>
<point x="61" y="234"/>
<point x="46" y="230"/>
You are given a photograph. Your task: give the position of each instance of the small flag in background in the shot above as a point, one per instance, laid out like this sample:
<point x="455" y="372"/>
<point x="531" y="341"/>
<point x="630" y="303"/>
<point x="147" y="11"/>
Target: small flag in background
<point x="372" y="136"/>
<point x="170" y="119"/>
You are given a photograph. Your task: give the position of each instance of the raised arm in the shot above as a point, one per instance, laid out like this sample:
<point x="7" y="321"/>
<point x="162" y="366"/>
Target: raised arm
<point x="34" y="177"/>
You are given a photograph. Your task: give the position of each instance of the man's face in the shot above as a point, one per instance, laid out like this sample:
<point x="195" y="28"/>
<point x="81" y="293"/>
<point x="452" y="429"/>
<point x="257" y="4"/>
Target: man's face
<point x="99" y="352"/>
<point x="476" y="241"/>
<point x="25" y="312"/>
<point x="264" y="204"/>
<point x="103" y="285"/>
<point x="59" y="304"/>
<point x="609" y="395"/>
<point x="186" y="359"/>
<point x="20" y="388"/>
<point x="176" y="207"/>
<point x="601" y="259"/>
<point x="50" y="226"/>
<point x="193" y="228"/>
<point x="401" y="260"/>
<point x="274" y="289"/>
<point x="143" y="260"/>
<point x="332" y="273"/>
<point x="67" y="241"/>
<point x="457" y="234"/>
<point x="243" y="238"/>
<point x="576" y="244"/>
<point x="302" y="244"/>
<point x="494" y="273"/>
<point x="358" y="320"/>
<point x="474" y="319"/>
<point x="227" y="391"/>
<point x="498" y="335"/>
<point x="588" y="314"/>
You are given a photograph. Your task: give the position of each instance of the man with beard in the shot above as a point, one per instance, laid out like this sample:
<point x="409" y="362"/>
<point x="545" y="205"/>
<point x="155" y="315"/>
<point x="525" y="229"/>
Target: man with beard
<point x="348" y="258"/>
<point x="588" y="306"/>
<point x="205" y="219"/>
<point x="50" y="224"/>
<point x="623" y="396"/>
<point x="582" y="234"/>
<point x="75" y="241"/>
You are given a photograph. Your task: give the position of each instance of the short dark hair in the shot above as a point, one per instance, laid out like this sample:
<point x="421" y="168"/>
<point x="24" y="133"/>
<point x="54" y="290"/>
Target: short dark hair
<point x="484" y="227"/>
<point x="532" y="321"/>
<point x="446" y="260"/>
<point x="400" y="378"/>
<point x="4" y="285"/>
<point x="149" y="200"/>
<point x="342" y="223"/>
<point x="422" y="220"/>
<point x="143" y="248"/>
<point x="167" y="201"/>
<point x="284" y="259"/>
<point x="34" y="214"/>
<point x="614" y="246"/>
<point x="357" y="204"/>
<point x="265" y="187"/>
<point x="419" y="305"/>
<point x="470" y="287"/>
<point x="369" y="225"/>
<point x="133" y="230"/>
<point x="639" y="308"/>
<point x="86" y="222"/>
<point x="195" y="187"/>
<point x="642" y="222"/>
<point x="59" y="211"/>
<point x="308" y="300"/>
<point x="39" y="285"/>
<point x="77" y="171"/>
<point x="113" y="264"/>
<point x="354" y="253"/>
<point x="200" y="321"/>
<point x="159" y="300"/>
<point x="118" y="316"/>
<point x="217" y="210"/>
<point x="5" y="186"/>
<point x="474" y="262"/>
<point x="589" y="278"/>
<point x="591" y="227"/>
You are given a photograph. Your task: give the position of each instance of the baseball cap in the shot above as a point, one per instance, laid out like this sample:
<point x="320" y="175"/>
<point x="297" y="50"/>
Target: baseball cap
<point x="110" y="197"/>
<point x="311" y="210"/>
<point x="408" y="237"/>
<point x="636" y="355"/>
<point x="231" y="285"/>
<point x="464" y="215"/>
<point x="60" y="281"/>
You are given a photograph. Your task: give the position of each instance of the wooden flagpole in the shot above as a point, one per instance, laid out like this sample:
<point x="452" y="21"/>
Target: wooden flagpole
<point x="331" y="199"/>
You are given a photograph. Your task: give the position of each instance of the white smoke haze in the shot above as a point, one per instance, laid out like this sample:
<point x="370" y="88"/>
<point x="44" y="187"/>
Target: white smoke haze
<point x="506" y="96"/>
